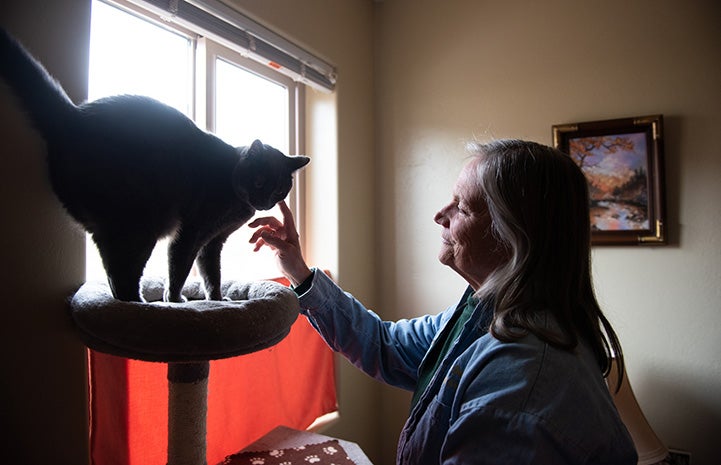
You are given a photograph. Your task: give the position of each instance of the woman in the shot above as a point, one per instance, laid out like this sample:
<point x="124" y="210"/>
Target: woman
<point x="512" y="374"/>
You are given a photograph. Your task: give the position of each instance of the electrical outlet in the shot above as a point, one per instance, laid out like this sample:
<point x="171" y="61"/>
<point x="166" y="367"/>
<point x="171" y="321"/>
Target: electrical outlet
<point x="679" y="457"/>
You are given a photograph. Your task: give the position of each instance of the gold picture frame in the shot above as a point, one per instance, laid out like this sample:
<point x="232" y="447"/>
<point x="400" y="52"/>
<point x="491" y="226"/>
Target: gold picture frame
<point x="623" y="162"/>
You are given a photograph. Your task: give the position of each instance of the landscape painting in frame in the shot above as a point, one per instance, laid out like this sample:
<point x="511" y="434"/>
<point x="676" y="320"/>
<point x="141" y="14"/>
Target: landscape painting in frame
<point x="622" y="161"/>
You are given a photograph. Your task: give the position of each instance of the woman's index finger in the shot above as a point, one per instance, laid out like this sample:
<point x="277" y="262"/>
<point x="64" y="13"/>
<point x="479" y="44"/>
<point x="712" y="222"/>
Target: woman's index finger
<point x="288" y="220"/>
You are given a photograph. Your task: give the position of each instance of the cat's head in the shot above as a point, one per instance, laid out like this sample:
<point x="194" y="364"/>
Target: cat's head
<point x="264" y="175"/>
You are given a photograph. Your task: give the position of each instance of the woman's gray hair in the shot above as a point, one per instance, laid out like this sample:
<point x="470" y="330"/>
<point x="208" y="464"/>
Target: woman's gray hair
<point x="539" y="205"/>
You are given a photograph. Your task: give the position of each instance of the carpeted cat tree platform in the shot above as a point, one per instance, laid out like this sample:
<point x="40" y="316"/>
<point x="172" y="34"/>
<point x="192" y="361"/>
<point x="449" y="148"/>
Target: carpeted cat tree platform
<point x="186" y="336"/>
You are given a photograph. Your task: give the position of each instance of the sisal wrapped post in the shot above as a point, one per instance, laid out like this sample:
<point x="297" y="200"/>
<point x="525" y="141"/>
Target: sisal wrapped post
<point x="187" y="412"/>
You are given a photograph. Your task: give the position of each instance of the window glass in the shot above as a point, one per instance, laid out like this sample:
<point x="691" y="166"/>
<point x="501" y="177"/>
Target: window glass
<point x="249" y="106"/>
<point x="130" y="55"/>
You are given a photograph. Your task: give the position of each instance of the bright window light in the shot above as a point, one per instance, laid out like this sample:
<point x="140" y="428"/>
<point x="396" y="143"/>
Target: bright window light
<point x="248" y="107"/>
<point x="130" y="55"/>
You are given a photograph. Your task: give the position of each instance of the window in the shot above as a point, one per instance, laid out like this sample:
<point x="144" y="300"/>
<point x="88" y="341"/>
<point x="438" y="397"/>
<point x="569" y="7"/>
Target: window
<point x="228" y="94"/>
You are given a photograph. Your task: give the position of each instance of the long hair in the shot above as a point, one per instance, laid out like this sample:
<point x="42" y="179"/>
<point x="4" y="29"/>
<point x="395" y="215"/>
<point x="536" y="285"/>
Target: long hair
<point x="539" y="205"/>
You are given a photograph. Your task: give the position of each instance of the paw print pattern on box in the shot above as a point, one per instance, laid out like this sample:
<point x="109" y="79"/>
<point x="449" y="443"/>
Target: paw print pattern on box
<point x="324" y="453"/>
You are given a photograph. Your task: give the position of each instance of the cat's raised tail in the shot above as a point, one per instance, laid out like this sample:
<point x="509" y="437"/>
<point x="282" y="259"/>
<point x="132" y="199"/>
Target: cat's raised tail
<point x="40" y="95"/>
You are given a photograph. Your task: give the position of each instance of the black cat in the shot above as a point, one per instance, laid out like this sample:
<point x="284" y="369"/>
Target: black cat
<point x="132" y="170"/>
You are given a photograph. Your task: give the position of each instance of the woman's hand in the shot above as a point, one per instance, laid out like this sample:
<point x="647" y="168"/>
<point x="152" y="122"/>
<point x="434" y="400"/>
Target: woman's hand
<point x="283" y="239"/>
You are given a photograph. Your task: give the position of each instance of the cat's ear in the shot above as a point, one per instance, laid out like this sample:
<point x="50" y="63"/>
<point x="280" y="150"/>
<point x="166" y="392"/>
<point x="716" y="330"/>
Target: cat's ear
<point x="298" y="161"/>
<point x="256" y="148"/>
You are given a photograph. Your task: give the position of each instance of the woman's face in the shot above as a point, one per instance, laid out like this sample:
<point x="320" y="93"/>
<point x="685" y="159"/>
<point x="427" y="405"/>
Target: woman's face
<point x="467" y="244"/>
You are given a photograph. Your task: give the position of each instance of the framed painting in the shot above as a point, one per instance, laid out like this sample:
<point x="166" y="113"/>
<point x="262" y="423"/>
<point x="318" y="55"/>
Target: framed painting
<point x="623" y="163"/>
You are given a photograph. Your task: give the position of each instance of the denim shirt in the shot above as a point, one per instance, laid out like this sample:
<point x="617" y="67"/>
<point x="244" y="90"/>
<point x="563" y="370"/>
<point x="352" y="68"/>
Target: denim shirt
<point x="490" y="402"/>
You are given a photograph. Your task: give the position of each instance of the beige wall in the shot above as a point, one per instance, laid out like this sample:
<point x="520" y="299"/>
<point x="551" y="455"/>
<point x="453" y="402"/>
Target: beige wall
<point x="448" y="71"/>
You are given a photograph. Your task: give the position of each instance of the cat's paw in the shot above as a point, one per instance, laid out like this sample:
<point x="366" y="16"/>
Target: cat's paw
<point x="177" y="299"/>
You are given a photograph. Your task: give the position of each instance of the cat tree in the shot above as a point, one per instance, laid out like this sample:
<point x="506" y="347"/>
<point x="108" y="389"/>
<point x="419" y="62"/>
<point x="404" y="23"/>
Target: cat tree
<point x="186" y="336"/>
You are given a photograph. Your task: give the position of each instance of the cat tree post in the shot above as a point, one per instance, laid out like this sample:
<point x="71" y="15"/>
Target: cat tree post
<point x="187" y="412"/>
<point x="186" y="336"/>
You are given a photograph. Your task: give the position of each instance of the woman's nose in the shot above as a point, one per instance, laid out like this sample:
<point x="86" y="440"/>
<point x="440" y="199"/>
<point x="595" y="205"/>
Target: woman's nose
<point x="440" y="217"/>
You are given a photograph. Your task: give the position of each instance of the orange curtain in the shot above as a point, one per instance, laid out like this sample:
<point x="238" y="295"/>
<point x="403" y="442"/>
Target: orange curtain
<point x="290" y="384"/>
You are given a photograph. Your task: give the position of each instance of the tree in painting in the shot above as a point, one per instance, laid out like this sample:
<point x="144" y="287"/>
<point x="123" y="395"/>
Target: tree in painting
<point x="616" y="168"/>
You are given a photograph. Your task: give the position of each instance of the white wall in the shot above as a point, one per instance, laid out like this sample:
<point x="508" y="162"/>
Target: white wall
<point x="449" y="71"/>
